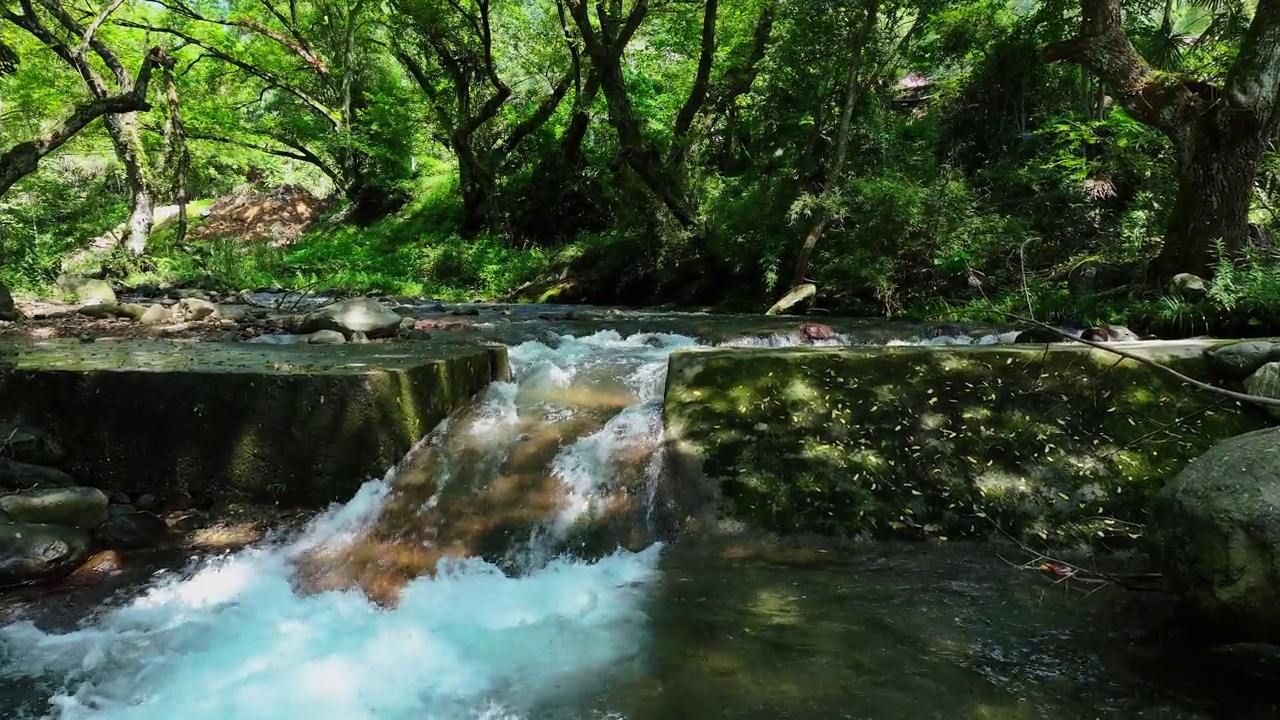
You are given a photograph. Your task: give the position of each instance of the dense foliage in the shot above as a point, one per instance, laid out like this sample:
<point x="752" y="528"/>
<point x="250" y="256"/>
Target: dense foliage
<point x="909" y="156"/>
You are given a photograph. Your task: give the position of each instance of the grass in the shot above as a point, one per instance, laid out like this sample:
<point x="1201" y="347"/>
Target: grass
<point x="415" y="251"/>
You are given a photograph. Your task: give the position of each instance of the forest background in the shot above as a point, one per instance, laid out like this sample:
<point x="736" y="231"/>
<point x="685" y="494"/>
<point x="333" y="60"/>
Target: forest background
<point x="911" y="158"/>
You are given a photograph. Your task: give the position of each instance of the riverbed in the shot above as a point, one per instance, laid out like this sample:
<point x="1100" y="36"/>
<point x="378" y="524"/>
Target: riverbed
<point x="516" y="565"/>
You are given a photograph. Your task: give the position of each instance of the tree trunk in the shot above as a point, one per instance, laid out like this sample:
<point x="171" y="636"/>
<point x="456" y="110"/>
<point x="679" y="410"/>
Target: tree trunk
<point x="476" y="185"/>
<point x="177" y="137"/>
<point x="859" y="42"/>
<point x="605" y="50"/>
<point x="1219" y="132"/>
<point x="1215" y="188"/>
<point x="123" y="129"/>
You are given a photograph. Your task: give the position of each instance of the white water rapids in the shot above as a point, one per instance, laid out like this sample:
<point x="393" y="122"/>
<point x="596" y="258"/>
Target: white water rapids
<point x="235" y="638"/>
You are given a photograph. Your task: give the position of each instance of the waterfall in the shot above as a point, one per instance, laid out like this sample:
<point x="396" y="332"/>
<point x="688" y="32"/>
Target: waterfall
<point x="451" y="588"/>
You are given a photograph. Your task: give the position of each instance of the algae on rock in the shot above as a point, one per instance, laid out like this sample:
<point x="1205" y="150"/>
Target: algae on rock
<point x="1060" y="445"/>
<point x="1216" y="532"/>
<point x="214" y="423"/>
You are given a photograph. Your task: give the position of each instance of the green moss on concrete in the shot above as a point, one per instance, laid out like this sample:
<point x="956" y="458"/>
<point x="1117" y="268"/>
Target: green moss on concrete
<point x="1064" y="445"/>
<point x="209" y="423"/>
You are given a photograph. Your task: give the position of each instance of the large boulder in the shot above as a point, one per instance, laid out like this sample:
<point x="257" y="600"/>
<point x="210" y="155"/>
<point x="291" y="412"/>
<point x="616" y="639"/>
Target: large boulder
<point x="36" y="551"/>
<point x="1215" y="530"/>
<point x="1186" y="285"/>
<point x="16" y="475"/>
<point x="1266" y="383"/>
<point x="191" y="309"/>
<point x="79" y="507"/>
<point x="88" y="291"/>
<point x="350" y="316"/>
<point x="1239" y="360"/>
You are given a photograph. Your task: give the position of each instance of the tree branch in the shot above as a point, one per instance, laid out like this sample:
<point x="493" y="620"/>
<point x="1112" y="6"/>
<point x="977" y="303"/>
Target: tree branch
<point x="698" y="94"/>
<point x="64" y="18"/>
<point x="329" y="114"/>
<point x="540" y="115"/>
<point x="634" y="20"/>
<point x="1254" y="81"/>
<point x="92" y="30"/>
<point x="24" y="158"/>
<point x="32" y="23"/>
<point x="296" y="44"/>
<point x="1160" y="100"/>
<point x="1223" y="392"/>
<point x="299" y="153"/>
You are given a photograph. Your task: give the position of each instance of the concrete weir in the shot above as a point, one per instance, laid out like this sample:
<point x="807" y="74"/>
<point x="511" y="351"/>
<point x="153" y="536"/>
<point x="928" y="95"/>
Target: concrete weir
<point x="210" y="423"/>
<point x="1059" y="444"/>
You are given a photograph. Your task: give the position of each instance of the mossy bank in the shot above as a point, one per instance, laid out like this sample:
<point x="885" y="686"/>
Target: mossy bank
<point x="209" y="423"/>
<point x="1063" y="445"/>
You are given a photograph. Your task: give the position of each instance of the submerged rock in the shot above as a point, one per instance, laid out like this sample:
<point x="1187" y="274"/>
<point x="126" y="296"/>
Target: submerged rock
<point x="28" y="445"/>
<point x="16" y="475"/>
<point x="101" y="563"/>
<point x="131" y="529"/>
<point x="80" y="507"/>
<point x="815" y="331"/>
<point x="1237" y="361"/>
<point x="38" y="551"/>
<point x="1215" y="530"/>
<point x="354" y="315"/>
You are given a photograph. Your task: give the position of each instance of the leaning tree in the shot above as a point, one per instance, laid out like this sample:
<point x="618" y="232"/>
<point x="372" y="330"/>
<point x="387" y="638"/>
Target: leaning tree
<point x="1219" y="131"/>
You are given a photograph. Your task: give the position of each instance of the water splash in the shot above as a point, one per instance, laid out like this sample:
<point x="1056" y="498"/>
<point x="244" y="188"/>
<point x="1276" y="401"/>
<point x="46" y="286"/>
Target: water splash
<point x="238" y="637"/>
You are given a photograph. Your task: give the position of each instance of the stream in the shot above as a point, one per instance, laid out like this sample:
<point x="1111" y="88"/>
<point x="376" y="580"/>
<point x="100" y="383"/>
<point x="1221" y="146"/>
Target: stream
<point x="517" y="564"/>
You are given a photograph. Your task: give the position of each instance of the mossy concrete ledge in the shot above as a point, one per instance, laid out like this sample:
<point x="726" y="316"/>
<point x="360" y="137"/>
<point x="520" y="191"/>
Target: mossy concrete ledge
<point x="209" y="423"/>
<point x="1059" y="446"/>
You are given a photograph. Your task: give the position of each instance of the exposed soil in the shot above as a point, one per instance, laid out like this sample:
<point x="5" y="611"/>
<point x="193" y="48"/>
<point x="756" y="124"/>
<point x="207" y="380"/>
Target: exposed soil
<point x="278" y="216"/>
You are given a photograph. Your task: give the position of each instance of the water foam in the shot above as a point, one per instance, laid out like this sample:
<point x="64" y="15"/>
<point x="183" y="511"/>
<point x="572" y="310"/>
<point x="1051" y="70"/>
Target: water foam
<point x="236" y="641"/>
<point x="234" y="638"/>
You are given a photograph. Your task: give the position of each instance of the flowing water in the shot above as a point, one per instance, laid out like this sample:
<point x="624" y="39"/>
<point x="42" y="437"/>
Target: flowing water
<point x="516" y="565"/>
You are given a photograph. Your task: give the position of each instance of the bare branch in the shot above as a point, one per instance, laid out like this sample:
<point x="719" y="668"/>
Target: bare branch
<point x="97" y="23"/>
<point x="1223" y="392"/>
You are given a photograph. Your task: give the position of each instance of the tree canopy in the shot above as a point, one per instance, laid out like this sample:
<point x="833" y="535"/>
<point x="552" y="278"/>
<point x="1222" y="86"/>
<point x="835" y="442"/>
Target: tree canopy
<point x="906" y="155"/>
